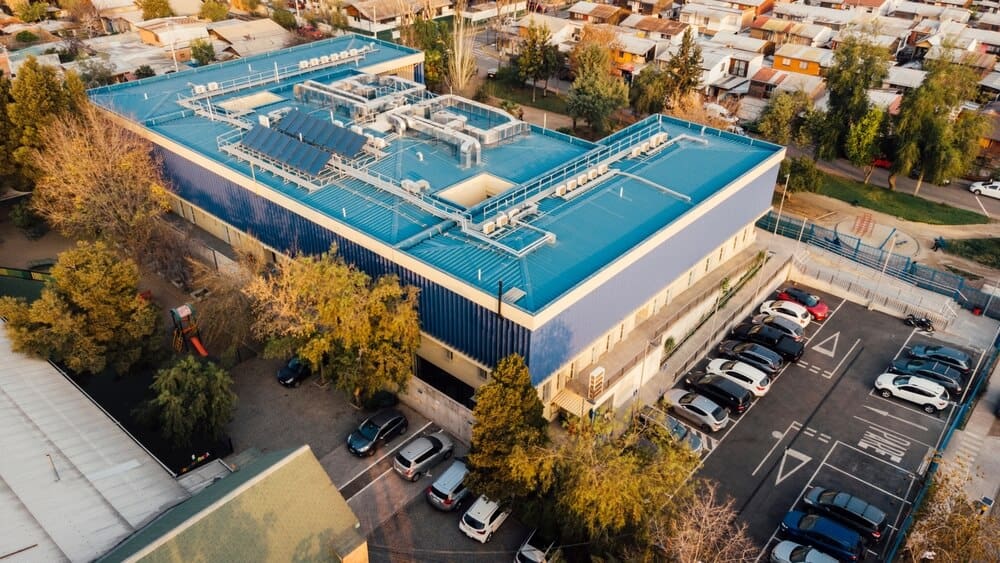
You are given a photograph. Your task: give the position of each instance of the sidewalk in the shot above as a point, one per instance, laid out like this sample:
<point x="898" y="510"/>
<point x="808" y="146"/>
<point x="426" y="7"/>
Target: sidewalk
<point x="977" y="447"/>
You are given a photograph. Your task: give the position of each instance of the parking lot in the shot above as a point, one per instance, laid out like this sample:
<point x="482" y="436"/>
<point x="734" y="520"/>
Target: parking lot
<point x="822" y="424"/>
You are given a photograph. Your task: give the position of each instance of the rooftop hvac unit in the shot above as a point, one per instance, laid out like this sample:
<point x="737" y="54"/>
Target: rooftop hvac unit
<point x="530" y="208"/>
<point x="213" y="86"/>
<point x="264" y="120"/>
<point x="354" y="52"/>
<point x="357" y="129"/>
<point x="596" y="383"/>
<point x="408" y="185"/>
<point x="489" y="227"/>
<point x="502" y="219"/>
<point x="422" y="185"/>
<point x="560" y="190"/>
<point x="513" y="213"/>
<point x="664" y="137"/>
<point x="592" y="173"/>
<point x="303" y="64"/>
<point x="324" y="59"/>
<point x="334" y="56"/>
<point x="570" y="185"/>
<point x="371" y="46"/>
<point x="338" y="123"/>
<point x="344" y="54"/>
<point x="602" y="169"/>
<point x="645" y="147"/>
<point x="314" y="61"/>
<point x="199" y="88"/>
<point x="380" y="143"/>
<point x="581" y="179"/>
<point x="635" y="152"/>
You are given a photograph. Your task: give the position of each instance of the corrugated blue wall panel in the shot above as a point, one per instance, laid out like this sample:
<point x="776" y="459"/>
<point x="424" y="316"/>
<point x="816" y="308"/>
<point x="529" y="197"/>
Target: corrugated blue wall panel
<point x="577" y="327"/>
<point x="445" y="315"/>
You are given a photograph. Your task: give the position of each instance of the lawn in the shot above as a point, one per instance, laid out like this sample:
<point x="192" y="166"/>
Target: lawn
<point x="904" y="206"/>
<point x="985" y="251"/>
<point x="522" y="96"/>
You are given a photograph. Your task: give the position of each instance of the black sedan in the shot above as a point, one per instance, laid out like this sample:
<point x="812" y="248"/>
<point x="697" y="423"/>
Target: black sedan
<point x="378" y="428"/>
<point x="294" y="372"/>
<point x="954" y="358"/>
<point x="756" y="355"/>
<point x="771" y="337"/>
<point x="942" y="374"/>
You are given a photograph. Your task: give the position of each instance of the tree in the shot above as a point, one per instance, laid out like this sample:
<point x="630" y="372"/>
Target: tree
<point x="192" y="399"/>
<point x="39" y="97"/>
<point x="226" y="319"/>
<point x="864" y="141"/>
<point x="284" y="18"/>
<point x="537" y="59"/>
<point x="11" y="176"/>
<point x="30" y="12"/>
<point x="96" y="72"/>
<point x="683" y="70"/>
<point x="649" y="91"/>
<point x="509" y="426"/>
<point x="152" y="9"/>
<point x="334" y="315"/>
<point x="89" y="315"/>
<point x="800" y="174"/>
<point x="213" y="11"/>
<point x="99" y="180"/>
<point x="462" y="62"/>
<point x="781" y="121"/>
<point x="84" y="13"/>
<point x="202" y="51"/>
<point x="934" y="135"/>
<point x="858" y="65"/>
<point x="433" y="38"/>
<point x="948" y="528"/>
<point x="702" y="527"/>
<point x="595" y="94"/>
<point x="144" y="71"/>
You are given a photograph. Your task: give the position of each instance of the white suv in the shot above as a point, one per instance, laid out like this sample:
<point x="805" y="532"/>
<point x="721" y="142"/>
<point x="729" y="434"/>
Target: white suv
<point x="924" y="392"/>
<point x="792" y="311"/>
<point x="990" y="189"/>
<point x="744" y="375"/>
<point x="482" y="519"/>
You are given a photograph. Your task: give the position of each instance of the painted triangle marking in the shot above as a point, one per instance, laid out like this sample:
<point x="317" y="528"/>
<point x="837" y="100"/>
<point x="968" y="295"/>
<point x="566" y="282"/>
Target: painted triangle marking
<point x="832" y="349"/>
<point x="802" y="460"/>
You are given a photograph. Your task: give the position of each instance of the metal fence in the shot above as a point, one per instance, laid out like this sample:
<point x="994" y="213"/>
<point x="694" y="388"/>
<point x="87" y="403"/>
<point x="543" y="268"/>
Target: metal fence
<point x="882" y="258"/>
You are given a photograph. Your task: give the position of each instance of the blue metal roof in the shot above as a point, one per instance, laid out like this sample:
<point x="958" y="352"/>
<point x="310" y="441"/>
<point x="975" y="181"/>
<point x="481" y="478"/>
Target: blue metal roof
<point x="590" y="230"/>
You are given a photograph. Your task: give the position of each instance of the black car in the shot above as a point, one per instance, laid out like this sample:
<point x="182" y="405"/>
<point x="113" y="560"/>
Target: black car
<point x="294" y="372"/>
<point x="942" y="374"/>
<point x="756" y="355"/>
<point x="848" y="509"/>
<point x="771" y="337"/>
<point x="785" y="325"/>
<point x="380" y="427"/>
<point x="721" y="390"/>
<point x="822" y="533"/>
<point x="954" y="358"/>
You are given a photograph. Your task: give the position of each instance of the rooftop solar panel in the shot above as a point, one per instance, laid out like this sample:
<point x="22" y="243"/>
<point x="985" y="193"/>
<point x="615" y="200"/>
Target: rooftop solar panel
<point x="283" y="148"/>
<point x="322" y="133"/>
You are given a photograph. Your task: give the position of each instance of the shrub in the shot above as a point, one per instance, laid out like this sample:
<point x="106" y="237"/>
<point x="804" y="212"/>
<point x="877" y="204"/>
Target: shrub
<point x="26" y="37"/>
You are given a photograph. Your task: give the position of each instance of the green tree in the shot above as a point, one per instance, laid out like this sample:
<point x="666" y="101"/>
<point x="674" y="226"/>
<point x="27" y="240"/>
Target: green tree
<point x="333" y="315"/>
<point x="781" y="121"/>
<point x="537" y="58"/>
<point x="192" y="399"/>
<point x="433" y="38"/>
<point x="144" y="71"/>
<point x="508" y="428"/>
<point x="32" y="11"/>
<point x="595" y="93"/>
<point x="152" y="9"/>
<point x="25" y="37"/>
<point x="11" y="176"/>
<point x="284" y="18"/>
<point x="214" y="11"/>
<point x="864" y="141"/>
<point x="858" y="65"/>
<point x="96" y="72"/>
<point x="89" y="315"/>
<point x="649" y="91"/>
<point x="801" y="174"/>
<point x="202" y="51"/>
<point x="683" y="70"/>
<point x="934" y="135"/>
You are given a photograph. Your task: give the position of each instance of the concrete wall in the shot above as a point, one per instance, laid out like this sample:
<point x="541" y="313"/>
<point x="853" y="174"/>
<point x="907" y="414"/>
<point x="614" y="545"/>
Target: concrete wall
<point x="435" y="405"/>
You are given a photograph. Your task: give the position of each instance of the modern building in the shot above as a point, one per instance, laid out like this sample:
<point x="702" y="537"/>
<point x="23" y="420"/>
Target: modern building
<point x="521" y="239"/>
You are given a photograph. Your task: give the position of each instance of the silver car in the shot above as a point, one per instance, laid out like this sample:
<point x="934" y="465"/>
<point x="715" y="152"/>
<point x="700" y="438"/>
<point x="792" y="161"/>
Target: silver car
<point x="422" y="454"/>
<point x="791" y="552"/>
<point x="698" y="409"/>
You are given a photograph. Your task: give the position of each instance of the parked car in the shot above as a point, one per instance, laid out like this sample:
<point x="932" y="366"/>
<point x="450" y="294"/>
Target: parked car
<point x="812" y="303"/>
<point x="989" y="189"/>
<point x="745" y="375"/>
<point x="785" y="346"/>
<point x="422" y="454"/>
<point x="942" y="374"/>
<point x="491" y="73"/>
<point x="535" y="549"/>
<point x="698" y="409"/>
<point x="924" y="392"/>
<point x="649" y="415"/>
<point x="822" y="533"/>
<point x="721" y="390"/>
<point x="449" y="490"/>
<point x="482" y="519"/>
<point x="882" y="162"/>
<point x="789" y="309"/>
<point x="381" y="427"/>
<point x="294" y="372"/>
<point x="954" y="358"/>
<point x="789" y="327"/>
<point x="848" y="509"/>
<point x="760" y="357"/>
<point x="791" y="552"/>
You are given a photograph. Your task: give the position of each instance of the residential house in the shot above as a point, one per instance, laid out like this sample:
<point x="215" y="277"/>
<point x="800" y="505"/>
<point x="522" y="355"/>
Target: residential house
<point x="657" y="29"/>
<point x="803" y="60"/>
<point x="649" y="7"/>
<point x="760" y="7"/>
<point x="918" y="11"/>
<point x="480" y="14"/>
<point x="118" y="16"/>
<point x="769" y="81"/>
<point x="810" y="35"/>
<point x="715" y="62"/>
<point x="903" y="79"/>
<point x="563" y="33"/>
<point x="629" y="54"/>
<point x="989" y="86"/>
<point x="589" y="12"/>
<point x="876" y="7"/>
<point x="981" y="62"/>
<point x="709" y="20"/>
<point x="250" y="37"/>
<point x="747" y="13"/>
<point x="888" y="101"/>
<point x="834" y="19"/>
<point x="771" y="30"/>
<point x="385" y="17"/>
<point x="173" y="34"/>
<point x="990" y="21"/>
<point x="740" y="42"/>
<point x="989" y="156"/>
<point x="745" y="58"/>
<point x="988" y="40"/>
<point x="11" y="61"/>
<point x="890" y="43"/>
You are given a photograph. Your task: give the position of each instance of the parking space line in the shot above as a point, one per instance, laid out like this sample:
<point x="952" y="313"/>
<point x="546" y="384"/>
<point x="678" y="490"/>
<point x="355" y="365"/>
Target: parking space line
<point x="793" y="426"/>
<point x="873" y="394"/>
<point x="385" y="455"/>
<point x="844" y="359"/>
<point x="903" y="469"/>
<point x="375" y="480"/>
<point x="972" y="377"/>
<point x="904" y="346"/>
<point x="856" y="478"/>
<point x="883" y="428"/>
<point x="828" y="317"/>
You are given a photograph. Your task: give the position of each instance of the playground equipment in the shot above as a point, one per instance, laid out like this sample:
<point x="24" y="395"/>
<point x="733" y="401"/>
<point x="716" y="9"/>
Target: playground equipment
<point x="186" y="330"/>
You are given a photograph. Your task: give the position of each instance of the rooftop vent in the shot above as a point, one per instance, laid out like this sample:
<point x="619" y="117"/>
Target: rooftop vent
<point x="213" y="86"/>
<point x="199" y="88"/>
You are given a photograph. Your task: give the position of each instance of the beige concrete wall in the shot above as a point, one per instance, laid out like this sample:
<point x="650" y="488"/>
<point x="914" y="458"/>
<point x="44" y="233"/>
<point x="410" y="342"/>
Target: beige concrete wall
<point x="458" y="365"/>
<point x="442" y="409"/>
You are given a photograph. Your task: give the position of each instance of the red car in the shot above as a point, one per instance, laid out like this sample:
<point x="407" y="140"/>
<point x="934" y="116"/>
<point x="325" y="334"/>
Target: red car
<point x="882" y="162"/>
<point x="812" y="303"/>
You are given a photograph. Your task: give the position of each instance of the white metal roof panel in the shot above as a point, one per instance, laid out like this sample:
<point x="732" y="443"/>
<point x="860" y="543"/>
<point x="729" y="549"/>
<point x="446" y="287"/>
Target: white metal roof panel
<point x="73" y="483"/>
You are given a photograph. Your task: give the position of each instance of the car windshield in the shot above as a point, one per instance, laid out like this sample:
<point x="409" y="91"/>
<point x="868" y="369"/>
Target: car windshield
<point x="809" y="300"/>
<point x="294" y="363"/>
<point x="728" y="365"/>
<point x="471" y="522"/>
<point x="808" y="521"/>
<point x="678" y="429"/>
<point x="717" y="413"/>
<point x="688" y="398"/>
<point x="799" y="553"/>
<point x="369" y="430"/>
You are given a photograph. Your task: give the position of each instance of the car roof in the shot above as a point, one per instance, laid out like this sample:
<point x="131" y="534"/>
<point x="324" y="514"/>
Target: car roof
<point x="482" y="508"/>
<point x="456" y="472"/>
<point x="921" y="382"/>
<point x="385" y="416"/>
<point x="424" y="443"/>
<point x="789" y="305"/>
<point x="944" y="351"/>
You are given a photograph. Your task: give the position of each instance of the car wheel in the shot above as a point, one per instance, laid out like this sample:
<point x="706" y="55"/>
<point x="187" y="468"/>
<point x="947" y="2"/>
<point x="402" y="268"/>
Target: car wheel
<point x="417" y="476"/>
<point x="402" y="429"/>
<point x="929" y="409"/>
<point x="885" y="393"/>
<point x="297" y="383"/>
<point x="489" y="537"/>
<point x="447" y="454"/>
<point x="371" y="451"/>
<point x="977" y="192"/>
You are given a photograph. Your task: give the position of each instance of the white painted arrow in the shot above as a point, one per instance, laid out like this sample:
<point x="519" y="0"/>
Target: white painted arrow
<point x="903" y="420"/>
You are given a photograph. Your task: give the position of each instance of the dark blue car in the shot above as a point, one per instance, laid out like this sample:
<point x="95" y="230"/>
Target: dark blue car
<point x="823" y="534"/>
<point x="950" y="356"/>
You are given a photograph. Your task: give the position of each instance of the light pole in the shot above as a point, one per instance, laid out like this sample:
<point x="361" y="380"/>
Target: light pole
<point x="642" y="374"/>
<point x="885" y="265"/>
<point x="781" y="206"/>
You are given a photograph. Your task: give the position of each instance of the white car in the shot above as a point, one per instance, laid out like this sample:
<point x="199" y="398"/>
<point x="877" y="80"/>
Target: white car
<point x="744" y="375"/>
<point x="482" y="519"/>
<point x="697" y="408"/>
<point x="789" y="310"/>
<point x="989" y="189"/>
<point x="791" y="552"/>
<point x="924" y="392"/>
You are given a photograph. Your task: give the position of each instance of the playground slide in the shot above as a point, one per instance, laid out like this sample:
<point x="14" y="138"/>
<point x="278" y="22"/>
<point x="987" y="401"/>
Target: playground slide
<point x="196" y="344"/>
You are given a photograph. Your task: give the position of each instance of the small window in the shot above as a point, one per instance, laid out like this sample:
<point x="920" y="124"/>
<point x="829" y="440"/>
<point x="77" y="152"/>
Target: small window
<point x="803" y="65"/>
<point x="786" y="62"/>
<point x="708" y="262"/>
<point x="482" y="374"/>
<point x="690" y="277"/>
<point x="721" y="252"/>
<point x="450" y="355"/>
<point x="546" y="391"/>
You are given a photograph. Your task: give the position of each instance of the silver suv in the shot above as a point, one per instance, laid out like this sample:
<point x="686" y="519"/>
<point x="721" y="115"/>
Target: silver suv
<point x="421" y="454"/>
<point x="449" y="490"/>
